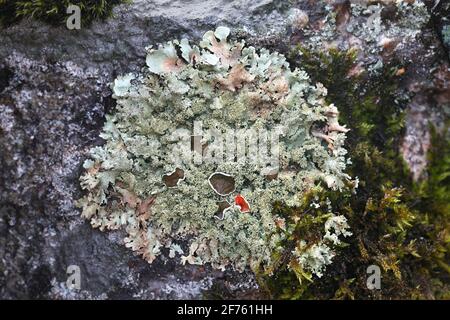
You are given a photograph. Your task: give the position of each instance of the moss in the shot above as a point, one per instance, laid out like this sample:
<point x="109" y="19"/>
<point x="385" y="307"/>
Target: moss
<point x="54" y="12"/>
<point x="398" y="225"/>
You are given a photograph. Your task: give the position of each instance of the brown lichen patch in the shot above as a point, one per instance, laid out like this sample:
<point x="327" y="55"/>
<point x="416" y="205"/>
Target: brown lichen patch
<point x="272" y="176"/>
<point x="222" y="183"/>
<point x="328" y="132"/>
<point x="217" y="44"/>
<point x="129" y="198"/>
<point x="222" y="207"/>
<point x="277" y="87"/>
<point x="172" y="179"/>
<point x="144" y="207"/>
<point x="236" y="78"/>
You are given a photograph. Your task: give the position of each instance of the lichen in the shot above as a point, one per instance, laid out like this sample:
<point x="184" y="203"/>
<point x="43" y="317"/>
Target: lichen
<point x="316" y="257"/>
<point x="164" y="177"/>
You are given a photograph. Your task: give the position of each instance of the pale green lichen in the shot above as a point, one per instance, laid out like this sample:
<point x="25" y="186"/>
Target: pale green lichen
<point x="148" y="181"/>
<point x="314" y="258"/>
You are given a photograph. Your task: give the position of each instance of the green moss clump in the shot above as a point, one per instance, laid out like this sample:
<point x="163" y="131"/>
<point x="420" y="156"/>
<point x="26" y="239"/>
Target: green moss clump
<point x="400" y="225"/>
<point x="54" y="12"/>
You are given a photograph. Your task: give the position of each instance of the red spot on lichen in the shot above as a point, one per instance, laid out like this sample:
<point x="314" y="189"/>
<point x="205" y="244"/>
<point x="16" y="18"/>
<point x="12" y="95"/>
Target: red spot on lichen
<point x="242" y="203"/>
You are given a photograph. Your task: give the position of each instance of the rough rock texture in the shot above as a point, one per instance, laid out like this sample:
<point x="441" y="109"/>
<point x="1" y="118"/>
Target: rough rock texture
<point x="118" y="44"/>
<point x="54" y="92"/>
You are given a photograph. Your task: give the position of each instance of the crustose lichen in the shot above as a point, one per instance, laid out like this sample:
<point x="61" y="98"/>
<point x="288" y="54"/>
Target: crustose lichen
<point x="180" y="164"/>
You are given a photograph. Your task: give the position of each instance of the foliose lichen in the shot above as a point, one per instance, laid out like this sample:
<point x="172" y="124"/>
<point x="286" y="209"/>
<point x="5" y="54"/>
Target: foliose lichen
<point x="317" y="256"/>
<point x="186" y="166"/>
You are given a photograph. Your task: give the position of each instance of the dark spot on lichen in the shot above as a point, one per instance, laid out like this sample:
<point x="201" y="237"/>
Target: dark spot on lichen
<point x="222" y="206"/>
<point x="171" y="180"/>
<point x="221" y="183"/>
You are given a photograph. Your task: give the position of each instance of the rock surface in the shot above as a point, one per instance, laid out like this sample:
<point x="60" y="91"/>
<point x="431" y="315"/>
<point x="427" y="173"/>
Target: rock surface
<point x="54" y="93"/>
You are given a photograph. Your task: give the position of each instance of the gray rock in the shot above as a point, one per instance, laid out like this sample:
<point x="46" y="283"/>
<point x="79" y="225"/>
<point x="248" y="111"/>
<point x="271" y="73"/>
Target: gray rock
<point x="119" y="44"/>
